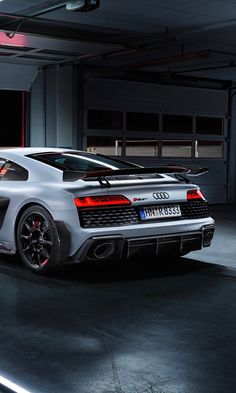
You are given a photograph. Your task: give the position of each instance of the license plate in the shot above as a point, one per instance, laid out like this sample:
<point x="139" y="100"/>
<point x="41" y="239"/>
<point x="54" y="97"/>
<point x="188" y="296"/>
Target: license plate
<point x="149" y="213"/>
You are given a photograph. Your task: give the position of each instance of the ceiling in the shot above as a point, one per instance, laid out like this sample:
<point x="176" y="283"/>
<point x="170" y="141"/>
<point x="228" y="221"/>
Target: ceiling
<point x="184" y="38"/>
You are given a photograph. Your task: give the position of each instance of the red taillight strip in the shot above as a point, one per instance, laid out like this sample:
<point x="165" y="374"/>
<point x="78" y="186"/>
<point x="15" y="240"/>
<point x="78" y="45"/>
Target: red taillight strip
<point x="102" y="200"/>
<point x="195" y="195"/>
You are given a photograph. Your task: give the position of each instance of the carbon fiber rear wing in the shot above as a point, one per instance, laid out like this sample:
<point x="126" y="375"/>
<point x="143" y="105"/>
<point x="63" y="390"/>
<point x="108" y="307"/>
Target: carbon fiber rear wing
<point x="180" y="172"/>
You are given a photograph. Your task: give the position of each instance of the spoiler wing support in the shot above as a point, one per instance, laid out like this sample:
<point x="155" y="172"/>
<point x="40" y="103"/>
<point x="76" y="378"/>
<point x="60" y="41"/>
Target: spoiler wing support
<point x="179" y="172"/>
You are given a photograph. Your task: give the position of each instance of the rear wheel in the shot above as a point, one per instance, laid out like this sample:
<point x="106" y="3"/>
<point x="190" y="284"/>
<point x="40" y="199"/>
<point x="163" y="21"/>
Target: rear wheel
<point x="38" y="241"/>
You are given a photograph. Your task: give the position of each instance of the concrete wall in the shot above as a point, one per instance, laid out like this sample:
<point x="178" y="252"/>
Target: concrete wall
<point x="37" y="115"/>
<point x="232" y="152"/>
<point x="17" y="76"/>
<point x="53" y="108"/>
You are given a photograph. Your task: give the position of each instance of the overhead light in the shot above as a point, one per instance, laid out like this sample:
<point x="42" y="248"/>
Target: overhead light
<point x="82" y="5"/>
<point x="10" y="39"/>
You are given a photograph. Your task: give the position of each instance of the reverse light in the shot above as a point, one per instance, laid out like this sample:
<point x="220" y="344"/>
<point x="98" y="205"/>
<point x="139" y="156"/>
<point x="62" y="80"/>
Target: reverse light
<point x="103" y="200"/>
<point x="193" y="195"/>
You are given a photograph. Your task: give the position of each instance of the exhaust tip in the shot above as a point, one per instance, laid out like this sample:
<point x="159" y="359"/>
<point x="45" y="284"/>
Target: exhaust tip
<point x="102" y="250"/>
<point x="207" y="238"/>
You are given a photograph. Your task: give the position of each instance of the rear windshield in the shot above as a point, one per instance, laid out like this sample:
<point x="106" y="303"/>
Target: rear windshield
<point x="76" y="161"/>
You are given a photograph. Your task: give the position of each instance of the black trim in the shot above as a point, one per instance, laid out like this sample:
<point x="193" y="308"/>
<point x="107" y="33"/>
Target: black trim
<point x="64" y="238"/>
<point x="117" y="216"/>
<point x="4" y="202"/>
<point x="103" y="176"/>
<point x="176" y="243"/>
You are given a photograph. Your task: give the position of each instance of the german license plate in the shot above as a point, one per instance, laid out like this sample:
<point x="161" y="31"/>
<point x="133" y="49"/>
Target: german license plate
<point x="149" y="213"/>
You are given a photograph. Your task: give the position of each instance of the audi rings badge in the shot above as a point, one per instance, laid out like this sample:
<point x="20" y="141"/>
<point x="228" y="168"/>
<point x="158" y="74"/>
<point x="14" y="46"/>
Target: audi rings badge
<point x="161" y="195"/>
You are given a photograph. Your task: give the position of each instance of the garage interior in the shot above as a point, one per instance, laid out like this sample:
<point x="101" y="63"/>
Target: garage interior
<point x="151" y="82"/>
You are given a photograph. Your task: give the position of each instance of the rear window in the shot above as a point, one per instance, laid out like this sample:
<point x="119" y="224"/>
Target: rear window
<point x="74" y="161"/>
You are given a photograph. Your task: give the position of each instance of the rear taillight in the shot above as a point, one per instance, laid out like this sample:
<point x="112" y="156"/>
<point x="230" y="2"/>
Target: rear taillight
<point x="103" y="200"/>
<point x="194" y="195"/>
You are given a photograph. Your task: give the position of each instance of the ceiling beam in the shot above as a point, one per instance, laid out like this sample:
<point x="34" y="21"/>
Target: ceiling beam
<point x="170" y="59"/>
<point x="43" y="8"/>
<point x="15" y="23"/>
<point x="210" y="27"/>
<point x="231" y="64"/>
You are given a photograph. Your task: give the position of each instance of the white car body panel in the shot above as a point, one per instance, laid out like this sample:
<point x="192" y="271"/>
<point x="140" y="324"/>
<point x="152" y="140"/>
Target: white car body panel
<point x="45" y="187"/>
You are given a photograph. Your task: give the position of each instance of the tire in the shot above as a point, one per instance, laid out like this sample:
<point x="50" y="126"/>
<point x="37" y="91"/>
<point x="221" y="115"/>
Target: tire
<point x="38" y="242"/>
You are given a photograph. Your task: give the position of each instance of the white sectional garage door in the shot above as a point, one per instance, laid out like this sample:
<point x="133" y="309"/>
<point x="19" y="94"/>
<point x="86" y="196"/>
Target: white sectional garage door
<point x="158" y="124"/>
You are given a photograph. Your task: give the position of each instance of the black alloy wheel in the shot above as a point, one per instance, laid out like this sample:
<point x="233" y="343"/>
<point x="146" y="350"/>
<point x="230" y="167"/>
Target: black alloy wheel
<point x="38" y="241"/>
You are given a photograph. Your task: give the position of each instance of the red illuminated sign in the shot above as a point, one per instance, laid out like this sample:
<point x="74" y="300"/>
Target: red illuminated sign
<point x="16" y="40"/>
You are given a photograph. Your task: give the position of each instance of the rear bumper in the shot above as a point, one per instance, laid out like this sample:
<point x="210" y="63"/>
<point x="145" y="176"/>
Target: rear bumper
<point x="100" y="248"/>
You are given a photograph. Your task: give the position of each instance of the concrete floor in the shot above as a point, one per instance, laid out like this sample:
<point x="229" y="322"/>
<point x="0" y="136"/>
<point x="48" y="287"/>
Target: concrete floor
<point x="223" y="248"/>
<point x="131" y="328"/>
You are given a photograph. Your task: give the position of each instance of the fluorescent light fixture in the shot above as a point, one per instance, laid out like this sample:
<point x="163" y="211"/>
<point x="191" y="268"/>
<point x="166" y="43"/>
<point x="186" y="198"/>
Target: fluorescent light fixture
<point x="82" y="5"/>
<point x="11" y="385"/>
<point x="16" y="40"/>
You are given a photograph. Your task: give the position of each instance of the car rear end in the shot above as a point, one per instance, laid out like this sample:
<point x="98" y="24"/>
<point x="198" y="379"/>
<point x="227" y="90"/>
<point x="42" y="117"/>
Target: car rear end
<point x="156" y="215"/>
<point x="117" y="209"/>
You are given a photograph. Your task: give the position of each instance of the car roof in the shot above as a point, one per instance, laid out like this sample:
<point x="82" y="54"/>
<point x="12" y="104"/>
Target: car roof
<point x="23" y="151"/>
<point x="37" y="170"/>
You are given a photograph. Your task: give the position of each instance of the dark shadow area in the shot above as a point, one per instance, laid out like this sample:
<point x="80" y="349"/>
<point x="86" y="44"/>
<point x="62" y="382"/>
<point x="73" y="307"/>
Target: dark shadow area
<point x="134" y="269"/>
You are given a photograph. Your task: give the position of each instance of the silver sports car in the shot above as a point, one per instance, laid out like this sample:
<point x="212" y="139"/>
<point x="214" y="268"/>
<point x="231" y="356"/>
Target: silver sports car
<point x="59" y="206"/>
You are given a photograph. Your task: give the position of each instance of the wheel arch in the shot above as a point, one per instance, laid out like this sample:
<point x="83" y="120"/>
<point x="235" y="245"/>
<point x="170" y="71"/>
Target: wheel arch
<point x="63" y="232"/>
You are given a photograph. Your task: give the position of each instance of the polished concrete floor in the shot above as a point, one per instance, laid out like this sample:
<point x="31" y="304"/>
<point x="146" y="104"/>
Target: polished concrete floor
<point x="127" y="328"/>
<point x="223" y="248"/>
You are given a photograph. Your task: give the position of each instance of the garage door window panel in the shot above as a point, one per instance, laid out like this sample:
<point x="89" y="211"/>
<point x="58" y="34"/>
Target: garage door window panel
<point x="140" y="121"/>
<point x="176" y="148"/>
<point x="105" y="145"/>
<point x="104" y="119"/>
<point x="142" y="147"/>
<point x="210" y="125"/>
<point x="209" y="149"/>
<point x="177" y="124"/>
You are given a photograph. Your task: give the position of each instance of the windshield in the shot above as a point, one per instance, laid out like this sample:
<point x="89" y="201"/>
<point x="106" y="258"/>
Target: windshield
<point x="79" y="161"/>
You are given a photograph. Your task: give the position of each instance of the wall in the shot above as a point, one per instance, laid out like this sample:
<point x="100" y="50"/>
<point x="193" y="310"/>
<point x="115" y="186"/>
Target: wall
<point x="57" y="116"/>
<point x="136" y="96"/>
<point x="53" y="108"/>
<point x="37" y="112"/>
<point x="232" y="151"/>
<point x="16" y="76"/>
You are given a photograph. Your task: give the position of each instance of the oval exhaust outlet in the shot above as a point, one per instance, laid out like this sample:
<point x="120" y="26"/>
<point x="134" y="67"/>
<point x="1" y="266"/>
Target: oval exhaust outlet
<point x="207" y="238"/>
<point x="103" y="250"/>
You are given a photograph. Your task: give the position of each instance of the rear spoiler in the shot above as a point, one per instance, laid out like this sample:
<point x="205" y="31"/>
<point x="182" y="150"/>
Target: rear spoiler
<point x="178" y="171"/>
